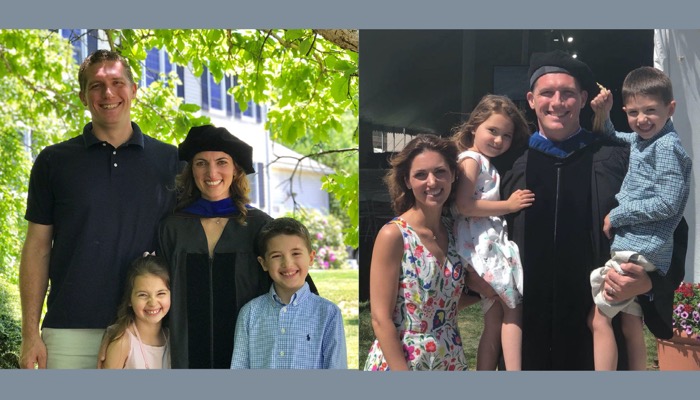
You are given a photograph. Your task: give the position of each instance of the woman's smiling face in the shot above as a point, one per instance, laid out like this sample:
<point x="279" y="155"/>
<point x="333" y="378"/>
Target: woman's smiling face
<point x="213" y="173"/>
<point x="430" y="178"/>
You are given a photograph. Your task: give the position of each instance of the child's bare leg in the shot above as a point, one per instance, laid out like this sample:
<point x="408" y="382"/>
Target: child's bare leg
<point x="604" y="345"/>
<point x="490" y="342"/>
<point x="633" y="331"/>
<point x="512" y="336"/>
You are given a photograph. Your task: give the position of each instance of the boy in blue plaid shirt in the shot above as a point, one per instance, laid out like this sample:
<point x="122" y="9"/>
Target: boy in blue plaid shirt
<point x="289" y="327"/>
<point x="651" y="202"/>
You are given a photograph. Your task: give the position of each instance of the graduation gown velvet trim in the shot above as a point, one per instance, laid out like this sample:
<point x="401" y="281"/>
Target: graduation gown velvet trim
<point x="206" y="293"/>
<point x="561" y="240"/>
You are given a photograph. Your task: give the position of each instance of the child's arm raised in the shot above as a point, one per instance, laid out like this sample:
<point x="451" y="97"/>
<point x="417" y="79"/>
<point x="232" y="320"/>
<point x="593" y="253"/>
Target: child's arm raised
<point x="601" y="105"/>
<point x="470" y="207"/>
<point x="117" y="353"/>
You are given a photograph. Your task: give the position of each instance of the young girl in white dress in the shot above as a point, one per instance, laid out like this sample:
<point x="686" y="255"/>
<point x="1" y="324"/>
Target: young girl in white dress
<point x="481" y="234"/>
<point x="137" y="340"/>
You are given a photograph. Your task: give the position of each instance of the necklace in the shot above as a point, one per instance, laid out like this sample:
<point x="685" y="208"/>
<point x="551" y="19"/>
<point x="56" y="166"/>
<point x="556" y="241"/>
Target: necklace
<point x="218" y="220"/>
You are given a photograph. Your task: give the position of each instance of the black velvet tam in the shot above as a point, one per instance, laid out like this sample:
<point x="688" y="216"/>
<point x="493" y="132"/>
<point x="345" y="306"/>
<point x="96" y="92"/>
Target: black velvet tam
<point x="211" y="138"/>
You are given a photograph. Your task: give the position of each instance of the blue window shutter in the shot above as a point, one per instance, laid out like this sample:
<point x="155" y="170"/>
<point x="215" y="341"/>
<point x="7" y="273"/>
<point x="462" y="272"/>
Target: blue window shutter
<point x="205" y="89"/>
<point x="229" y="98"/>
<point x="261" y="184"/>
<point x="181" y="87"/>
<point x="152" y="66"/>
<point x="236" y="108"/>
<point x="215" y="98"/>
<point x="258" y="113"/>
<point x="92" y="40"/>
<point x="168" y="65"/>
<point x="73" y="35"/>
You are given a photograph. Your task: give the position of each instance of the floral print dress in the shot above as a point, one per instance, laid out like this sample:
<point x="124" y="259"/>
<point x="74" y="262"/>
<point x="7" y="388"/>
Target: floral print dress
<point x="426" y="307"/>
<point x="483" y="241"/>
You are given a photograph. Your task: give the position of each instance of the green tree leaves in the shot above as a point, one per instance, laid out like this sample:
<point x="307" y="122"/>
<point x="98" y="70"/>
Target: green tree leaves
<point x="309" y="84"/>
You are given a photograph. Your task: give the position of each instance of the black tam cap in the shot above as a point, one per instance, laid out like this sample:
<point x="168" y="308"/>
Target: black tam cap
<point x="211" y="138"/>
<point x="558" y="61"/>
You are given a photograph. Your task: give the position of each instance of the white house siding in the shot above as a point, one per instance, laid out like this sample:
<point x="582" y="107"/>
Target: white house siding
<point x="305" y="185"/>
<point x="193" y="88"/>
<point x="307" y="178"/>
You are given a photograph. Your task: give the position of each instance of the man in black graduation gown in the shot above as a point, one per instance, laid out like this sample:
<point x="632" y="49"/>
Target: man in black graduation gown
<point x="575" y="175"/>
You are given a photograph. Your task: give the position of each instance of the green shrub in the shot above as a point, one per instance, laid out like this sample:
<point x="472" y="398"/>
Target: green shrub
<point x="326" y="237"/>
<point x="10" y="326"/>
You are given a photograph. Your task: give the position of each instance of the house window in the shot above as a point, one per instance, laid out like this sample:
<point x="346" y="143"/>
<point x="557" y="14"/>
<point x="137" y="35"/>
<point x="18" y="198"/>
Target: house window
<point x="85" y="42"/>
<point x="181" y="74"/>
<point x="215" y="97"/>
<point x="79" y="42"/>
<point x="254" y="112"/>
<point x="388" y="142"/>
<point x="257" y="186"/>
<point x="157" y="63"/>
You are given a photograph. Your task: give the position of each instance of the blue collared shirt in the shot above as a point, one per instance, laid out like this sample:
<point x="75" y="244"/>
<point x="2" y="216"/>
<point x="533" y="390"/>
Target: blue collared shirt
<point x="653" y="195"/>
<point x="307" y="333"/>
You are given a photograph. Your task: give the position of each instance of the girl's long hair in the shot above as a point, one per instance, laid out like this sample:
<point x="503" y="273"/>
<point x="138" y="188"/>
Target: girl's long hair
<point x="188" y="193"/>
<point x="153" y="265"/>
<point x="463" y="134"/>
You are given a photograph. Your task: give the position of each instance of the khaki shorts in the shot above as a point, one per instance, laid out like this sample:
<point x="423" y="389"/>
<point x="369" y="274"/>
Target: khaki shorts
<point x="72" y="348"/>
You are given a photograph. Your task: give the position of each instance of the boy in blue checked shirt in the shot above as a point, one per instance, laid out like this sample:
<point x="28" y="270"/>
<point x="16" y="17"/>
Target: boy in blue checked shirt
<point x="650" y="205"/>
<point x="289" y="327"/>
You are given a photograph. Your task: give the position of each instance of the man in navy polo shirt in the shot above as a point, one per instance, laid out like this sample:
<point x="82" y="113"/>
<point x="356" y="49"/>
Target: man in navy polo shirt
<point x="93" y="206"/>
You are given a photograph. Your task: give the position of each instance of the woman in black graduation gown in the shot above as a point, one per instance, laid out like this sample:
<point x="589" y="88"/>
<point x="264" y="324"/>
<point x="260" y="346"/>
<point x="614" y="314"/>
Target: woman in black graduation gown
<point x="209" y="243"/>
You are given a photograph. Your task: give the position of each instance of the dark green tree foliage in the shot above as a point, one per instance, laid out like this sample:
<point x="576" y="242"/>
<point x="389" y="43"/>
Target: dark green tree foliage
<point x="10" y="327"/>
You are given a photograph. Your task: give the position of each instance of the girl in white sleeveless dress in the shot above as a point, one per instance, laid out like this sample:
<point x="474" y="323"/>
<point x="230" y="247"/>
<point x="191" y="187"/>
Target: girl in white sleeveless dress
<point x="481" y="233"/>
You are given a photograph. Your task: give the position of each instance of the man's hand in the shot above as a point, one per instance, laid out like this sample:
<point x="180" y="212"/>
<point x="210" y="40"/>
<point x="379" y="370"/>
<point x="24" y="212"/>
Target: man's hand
<point x="33" y="353"/>
<point x="634" y="282"/>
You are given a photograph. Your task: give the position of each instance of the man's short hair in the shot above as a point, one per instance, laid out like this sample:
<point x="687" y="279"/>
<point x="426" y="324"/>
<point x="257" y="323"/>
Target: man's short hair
<point x="647" y="81"/>
<point x="282" y="226"/>
<point x="558" y="61"/>
<point x="100" y="56"/>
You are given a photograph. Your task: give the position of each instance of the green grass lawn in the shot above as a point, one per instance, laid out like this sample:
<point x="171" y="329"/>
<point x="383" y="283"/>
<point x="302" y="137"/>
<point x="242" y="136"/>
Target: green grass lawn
<point x="470" y="326"/>
<point x="341" y="286"/>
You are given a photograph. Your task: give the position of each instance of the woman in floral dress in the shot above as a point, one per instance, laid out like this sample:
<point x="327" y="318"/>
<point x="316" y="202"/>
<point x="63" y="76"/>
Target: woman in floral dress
<point x="416" y="278"/>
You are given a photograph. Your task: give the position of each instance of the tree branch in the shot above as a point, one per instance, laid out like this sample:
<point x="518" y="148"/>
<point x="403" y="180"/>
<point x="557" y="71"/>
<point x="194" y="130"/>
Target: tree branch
<point x="348" y="39"/>
<point x="298" y="164"/>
